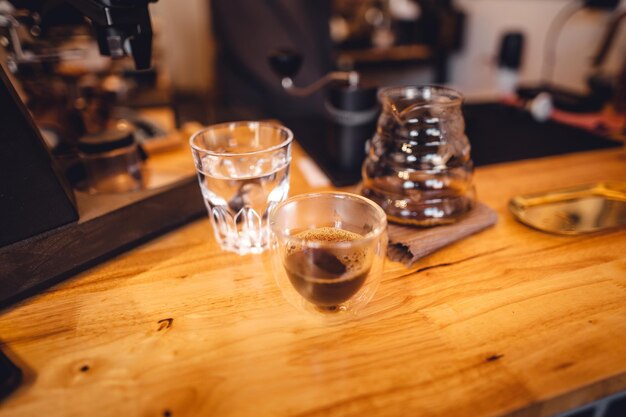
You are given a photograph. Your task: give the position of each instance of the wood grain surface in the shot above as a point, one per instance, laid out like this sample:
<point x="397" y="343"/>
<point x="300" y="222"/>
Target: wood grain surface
<point x="508" y="322"/>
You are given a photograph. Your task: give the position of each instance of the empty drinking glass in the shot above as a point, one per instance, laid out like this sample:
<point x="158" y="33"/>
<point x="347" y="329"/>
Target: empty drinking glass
<point x="243" y="170"/>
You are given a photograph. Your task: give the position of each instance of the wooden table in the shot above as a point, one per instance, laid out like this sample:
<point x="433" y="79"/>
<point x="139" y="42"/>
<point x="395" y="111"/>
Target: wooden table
<point x="508" y="322"/>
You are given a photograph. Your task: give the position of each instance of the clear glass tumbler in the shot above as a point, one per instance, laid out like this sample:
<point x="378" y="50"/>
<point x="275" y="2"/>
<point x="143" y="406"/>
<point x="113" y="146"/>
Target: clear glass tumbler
<point x="243" y="170"/>
<point x="328" y="251"/>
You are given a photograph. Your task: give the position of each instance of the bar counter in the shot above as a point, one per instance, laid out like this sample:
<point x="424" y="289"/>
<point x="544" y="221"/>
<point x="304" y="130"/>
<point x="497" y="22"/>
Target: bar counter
<point x="509" y="322"/>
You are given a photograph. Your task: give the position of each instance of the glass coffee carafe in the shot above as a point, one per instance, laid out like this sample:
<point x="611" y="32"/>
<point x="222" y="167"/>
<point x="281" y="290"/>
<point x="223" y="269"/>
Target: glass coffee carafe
<point x="418" y="168"/>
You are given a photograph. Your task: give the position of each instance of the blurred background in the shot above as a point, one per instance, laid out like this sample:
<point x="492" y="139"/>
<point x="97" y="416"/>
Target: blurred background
<point x="210" y="56"/>
<point x="472" y="65"/>
<point x="316" y="67"/>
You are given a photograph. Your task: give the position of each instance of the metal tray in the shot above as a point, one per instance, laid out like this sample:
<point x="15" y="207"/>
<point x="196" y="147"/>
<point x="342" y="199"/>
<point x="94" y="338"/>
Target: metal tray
<point x="574" y="211"/>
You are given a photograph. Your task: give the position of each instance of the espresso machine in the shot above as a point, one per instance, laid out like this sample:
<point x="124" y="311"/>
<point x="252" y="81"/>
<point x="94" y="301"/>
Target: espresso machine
<point x="58" y="216"/>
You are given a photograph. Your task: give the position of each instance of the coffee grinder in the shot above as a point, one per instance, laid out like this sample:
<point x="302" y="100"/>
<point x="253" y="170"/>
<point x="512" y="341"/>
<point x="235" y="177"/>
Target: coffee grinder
<point x="338" y="142"/>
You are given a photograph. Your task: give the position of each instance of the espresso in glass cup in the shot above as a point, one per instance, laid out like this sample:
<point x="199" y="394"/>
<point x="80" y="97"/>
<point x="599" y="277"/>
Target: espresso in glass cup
<point x="328" y="251"/>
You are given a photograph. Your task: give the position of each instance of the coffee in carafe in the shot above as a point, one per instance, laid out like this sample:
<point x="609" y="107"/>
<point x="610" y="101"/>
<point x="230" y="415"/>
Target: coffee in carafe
<point x="418" y="167"/>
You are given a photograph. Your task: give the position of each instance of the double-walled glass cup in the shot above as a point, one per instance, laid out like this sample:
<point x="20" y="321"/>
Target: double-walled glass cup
<point x="243" y="170"/>
<point x="328" y="251"/>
